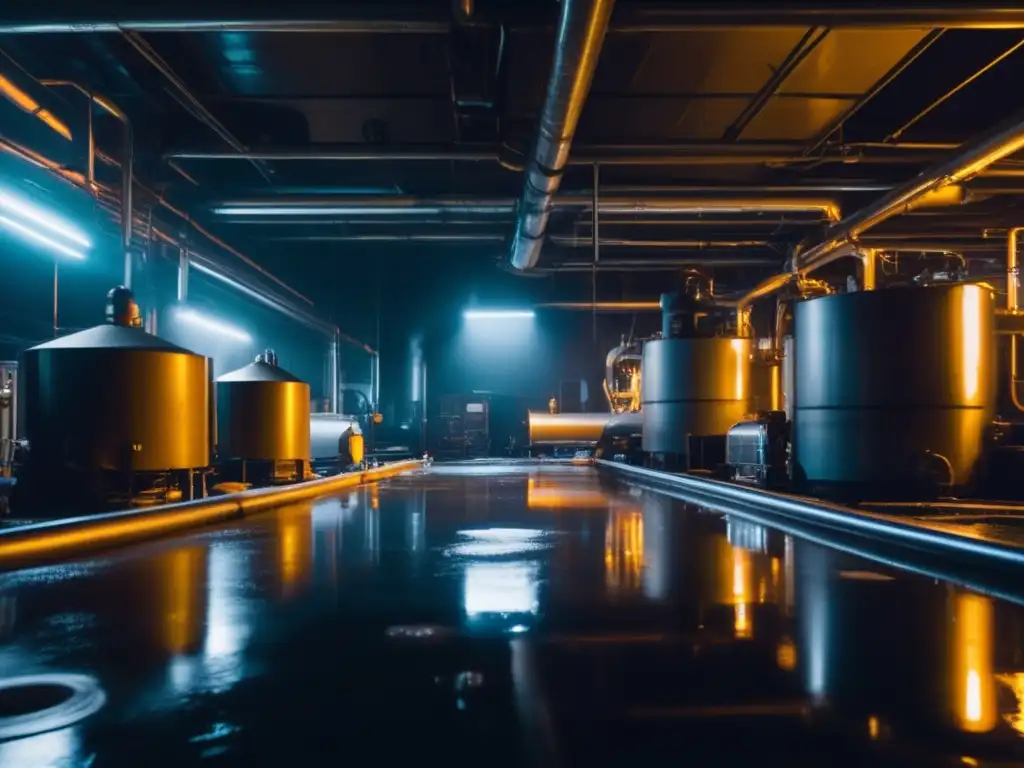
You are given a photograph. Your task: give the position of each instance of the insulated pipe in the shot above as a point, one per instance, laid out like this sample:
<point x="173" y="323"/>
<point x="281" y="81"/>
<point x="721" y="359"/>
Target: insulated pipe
<point x="967" y="162"/>
<point x="581" y="33"/>
<point x="602" y="306"/>
<point x="333" y="357"/>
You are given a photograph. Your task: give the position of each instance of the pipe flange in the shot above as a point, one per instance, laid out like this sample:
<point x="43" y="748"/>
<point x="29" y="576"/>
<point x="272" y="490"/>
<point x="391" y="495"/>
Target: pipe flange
<point x="38" y="703"/>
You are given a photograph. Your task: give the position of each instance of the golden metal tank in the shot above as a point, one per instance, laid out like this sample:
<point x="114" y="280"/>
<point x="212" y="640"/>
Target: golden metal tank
<point x="692" y="386"/>
<point x="894" y="388"/>
<point x="114" y="397"/>
<point x="263" y="413"/>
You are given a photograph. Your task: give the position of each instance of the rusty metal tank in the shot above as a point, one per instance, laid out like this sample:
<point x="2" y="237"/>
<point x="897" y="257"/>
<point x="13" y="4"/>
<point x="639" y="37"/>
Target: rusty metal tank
<point x="116" y="398"/>
<point x="894" y="389"/>
<point x="263" y="413"/>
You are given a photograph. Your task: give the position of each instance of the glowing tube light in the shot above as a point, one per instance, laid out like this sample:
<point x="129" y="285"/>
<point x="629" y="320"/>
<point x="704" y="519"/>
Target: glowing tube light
<point x="216" y="326"/>
<point x="498" y="314"/>
<point x="15" y="208"/>
<point x="31" y="235"/>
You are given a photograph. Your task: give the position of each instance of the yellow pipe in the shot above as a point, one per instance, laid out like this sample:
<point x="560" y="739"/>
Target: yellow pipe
<point x="26" y="103"/>
<point x="1012" y="307"/>
<point x="62" y="539"/>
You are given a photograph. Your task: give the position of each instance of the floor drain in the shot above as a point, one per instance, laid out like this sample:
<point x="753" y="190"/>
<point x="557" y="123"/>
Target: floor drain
<point x="37" y="703"/>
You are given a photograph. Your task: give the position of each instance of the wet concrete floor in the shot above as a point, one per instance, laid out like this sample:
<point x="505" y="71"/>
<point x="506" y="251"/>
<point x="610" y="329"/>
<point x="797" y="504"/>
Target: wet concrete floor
<point x="519" y="615"/>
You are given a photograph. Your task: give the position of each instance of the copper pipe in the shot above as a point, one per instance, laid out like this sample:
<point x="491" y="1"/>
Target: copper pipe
<point x="1013" y="307"/>
<point x="578" y="42"/>
<point x="967" y="162"/>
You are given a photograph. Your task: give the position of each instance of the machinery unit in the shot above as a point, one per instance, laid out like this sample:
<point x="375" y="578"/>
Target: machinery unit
<point x="894" y="390"/>
<point x="756" y="450"/>
<point x="8" y="416"/>
<point x="622" y="377"/>
<point x="335" y="442"/>
<point x="621" y="439"/>
<point x="263" y="423"/>
<point x="114" y="415"/>
<point x="695" y="379"/>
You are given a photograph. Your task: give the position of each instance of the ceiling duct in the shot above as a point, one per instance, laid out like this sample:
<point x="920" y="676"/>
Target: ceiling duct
<point x="581" y="32"/>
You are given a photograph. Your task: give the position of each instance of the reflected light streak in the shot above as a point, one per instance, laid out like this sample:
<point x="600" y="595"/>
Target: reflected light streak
<point x="295" y="552"/>
<point x="227" y="628"/>
<point x="26" y="103"/>
<point x="739" y="347"/>
<point x="973" y="681"/>
<point x="54" y="748"/>
<point x="39" y="239"/>
<point x="182" y="572"/>
<point x="498" y="542"/>
<point x="498" y="314"/>
<point x="971" y="331"/>
<point x="500" y="588"/>
<point x="205" y="323"/>
<point x="785" y="654"/>
<point x="623" y="551"/>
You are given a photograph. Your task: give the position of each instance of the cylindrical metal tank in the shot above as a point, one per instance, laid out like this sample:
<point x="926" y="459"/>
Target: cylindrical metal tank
<point x="263" y="413"/>
<point x="114" y="397"/>
<point x="329" y="435"/>
<point x="692" y="386"/>
<point x="894" y="388"/>
<point x="566" y="428"/>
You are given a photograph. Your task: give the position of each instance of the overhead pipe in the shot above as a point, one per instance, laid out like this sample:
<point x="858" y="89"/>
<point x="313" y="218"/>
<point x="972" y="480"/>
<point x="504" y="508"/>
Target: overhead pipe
<point x="602" y="306"/>
<point x="661" y="265"/>
<point x="573" y="241"/>
<point x="581" y="33"/>
<point x="189" y="100"/>
<point x="973" y="158"/>
<point x="407" y="205"/>
<point x="409" y="18"/>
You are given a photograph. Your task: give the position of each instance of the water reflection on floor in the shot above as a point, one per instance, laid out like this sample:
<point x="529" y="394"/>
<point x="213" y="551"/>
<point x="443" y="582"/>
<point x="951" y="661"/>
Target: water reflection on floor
<point x="435" y="616"/>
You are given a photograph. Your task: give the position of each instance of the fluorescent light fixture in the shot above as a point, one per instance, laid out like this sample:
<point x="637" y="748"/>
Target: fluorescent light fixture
<point x="32" y="236"/>
<point x="498" y="314"/>
<point x="13" y="208"/>
<point x="216" y="326"/>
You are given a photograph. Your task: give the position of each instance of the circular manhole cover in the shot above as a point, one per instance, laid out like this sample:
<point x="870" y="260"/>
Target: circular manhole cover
<point x="37" y="703"/>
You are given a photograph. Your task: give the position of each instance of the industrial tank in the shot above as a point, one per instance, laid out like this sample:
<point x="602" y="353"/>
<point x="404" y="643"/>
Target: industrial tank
<point x="116" y="398"/>
<point x="694" y="383"/>
<point x="576" y="429"/>
<point x="894" y="389"/>
<point x="263" y="413"/>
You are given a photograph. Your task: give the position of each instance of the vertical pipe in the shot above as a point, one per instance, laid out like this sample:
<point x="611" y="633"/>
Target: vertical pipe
<point x="91" y="149"/>
<point x="423" y="410"/>
<point x="596" y="238"/>
<point x="56" y="270"/>
<point x="332" y="375"/>
<point x="869" y="261"/>
<point x="1012" y="306"/>
<point x="127" y="174"/>
<point x="183" y="262"/>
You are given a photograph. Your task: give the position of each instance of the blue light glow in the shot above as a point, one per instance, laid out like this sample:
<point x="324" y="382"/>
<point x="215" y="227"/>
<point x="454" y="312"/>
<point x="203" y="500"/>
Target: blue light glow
<point x="39" y="226"/>
<point x="498" y="314"/>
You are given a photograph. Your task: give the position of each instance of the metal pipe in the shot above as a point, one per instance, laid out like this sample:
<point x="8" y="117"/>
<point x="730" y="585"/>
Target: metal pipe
<point x="971" y="159"/>
<point x="185" y="94"/>
<point x="602" y="306"/>
<point x="183" y="262"/>
<point x="416" y="237"/>
<point x="90" y="168"/>
<point x="895" y="135"/>
<point x="127" y="216"/>
<point x="667" y="265"/>
<point x="595" y="240"/>
<point x="1013" y="307"/>
<point x="578" y="44"/>
<point x="334" y="359"/>
<point x="379" y="205"/>
<point x="573" y="241"/>
<point x="409" y="18"/>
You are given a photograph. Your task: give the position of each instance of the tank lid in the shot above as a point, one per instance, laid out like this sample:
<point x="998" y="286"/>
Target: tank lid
<point x="259" y="371"/>
<point x="113" y="337"/>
